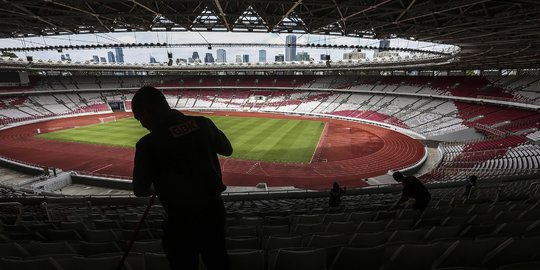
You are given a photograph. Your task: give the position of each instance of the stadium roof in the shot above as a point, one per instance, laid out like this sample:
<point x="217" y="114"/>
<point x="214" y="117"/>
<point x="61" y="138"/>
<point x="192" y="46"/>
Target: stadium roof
<point x="491" y="34"/>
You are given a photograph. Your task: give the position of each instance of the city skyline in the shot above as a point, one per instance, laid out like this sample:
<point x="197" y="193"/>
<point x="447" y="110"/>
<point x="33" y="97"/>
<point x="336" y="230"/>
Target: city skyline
<point x="161" y="54"/>
<point x="221" y="56"/>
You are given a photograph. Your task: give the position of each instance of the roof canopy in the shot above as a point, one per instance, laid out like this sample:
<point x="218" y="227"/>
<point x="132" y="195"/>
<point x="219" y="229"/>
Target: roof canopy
<point x="492" y="34"/>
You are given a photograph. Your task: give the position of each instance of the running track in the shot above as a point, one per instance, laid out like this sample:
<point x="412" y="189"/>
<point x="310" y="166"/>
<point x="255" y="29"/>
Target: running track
<point x="347" y="153"/>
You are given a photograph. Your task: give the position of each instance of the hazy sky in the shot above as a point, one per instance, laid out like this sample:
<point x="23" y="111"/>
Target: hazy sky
<point x="142" y="55"/>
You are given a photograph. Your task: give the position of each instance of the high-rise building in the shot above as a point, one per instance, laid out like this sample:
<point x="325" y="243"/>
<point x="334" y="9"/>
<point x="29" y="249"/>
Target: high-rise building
<point x="303" y="56"/>
<point x="383" y="51"/>
<point x="221" y="56"/>
<point x="152" y="60"/>
<point x="209" y="58"/>
<point x="262" y="56"/>
<point x="279" y="58"/>
<point x="384" y="44"/>
<point x="195" y="56"/>
<point x="325" y="57"/>
<point x="245" y="58"/>
<point x="110" y="55"/>
<point x="103" y="59"/>
<point x="238" y="58"/>
<point x="95" y="58"/>
<point x="290" y="48"/>
<point x="119" y="54"/>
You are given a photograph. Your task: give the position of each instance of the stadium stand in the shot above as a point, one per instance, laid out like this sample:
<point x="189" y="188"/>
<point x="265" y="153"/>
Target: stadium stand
<point x="402" y="101"/>
<point x="422" y="114"/>
<point x="496" y="227"/>
<point x="474" y="103"/>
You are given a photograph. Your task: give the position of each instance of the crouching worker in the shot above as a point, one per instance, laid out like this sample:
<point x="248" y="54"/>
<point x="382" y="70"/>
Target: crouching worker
<point x="412" y="188"/>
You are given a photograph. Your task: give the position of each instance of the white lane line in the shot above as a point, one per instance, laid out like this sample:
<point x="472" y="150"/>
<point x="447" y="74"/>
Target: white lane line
<point x="104" y="167"/>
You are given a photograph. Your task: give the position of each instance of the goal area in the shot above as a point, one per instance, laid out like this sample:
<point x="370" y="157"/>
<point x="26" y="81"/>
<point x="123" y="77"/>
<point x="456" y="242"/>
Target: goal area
<point x="107" y="119"/>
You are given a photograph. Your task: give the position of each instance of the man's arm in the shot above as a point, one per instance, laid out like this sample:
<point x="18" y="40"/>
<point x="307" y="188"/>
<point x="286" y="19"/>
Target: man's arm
<point x="398" y="202"/>
<point x="221" y="142"/>
<point x="142" y="181"/>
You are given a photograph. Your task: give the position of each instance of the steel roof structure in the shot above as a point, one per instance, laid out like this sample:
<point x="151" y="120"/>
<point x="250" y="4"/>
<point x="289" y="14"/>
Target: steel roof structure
<point x="491" y="33"/>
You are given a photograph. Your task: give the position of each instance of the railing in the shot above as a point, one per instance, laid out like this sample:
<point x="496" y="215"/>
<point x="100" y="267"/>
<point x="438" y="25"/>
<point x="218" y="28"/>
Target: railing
<point x="490" y="130"/>
<point x="507" y="99"/>
<point x="7" y="121"/>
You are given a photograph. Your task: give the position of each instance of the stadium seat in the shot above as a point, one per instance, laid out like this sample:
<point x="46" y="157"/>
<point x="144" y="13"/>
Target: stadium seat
<point x="156" y="261"/>
<point x="326" y="241"/>
<point x="353" y="258"/>
<point x="241" y="230"/>
<point x="516" y="251"/>
<point x="267" y="230"/>
<point x="307" y="219"/>
<point x="408" y="236"/>
<point x="107" y="235"/>
<point x="246" y="259"/>
<point x="276" y="242"/>
<point x="13" y="250"/>
<point x="371" y="226"/>
<point x="438" y="233"/>
<point x="32" y="264"/>
<point x="292" y="258"/>
<point x="462" y="268"/>
<point x="416" y="256"/>
<point x="399" y="224"/>
<point x="358" y="217"/>
<point x="143" y="234"/>
<point x="307" y="228"/>
<point x="62" y="235"/>
<point x="147" y="247"/>
<point x="101" y="263"/>
<point x="80" y="227"/>
<point x="341" y="227"/>
<point x="242" y="242"/>
<point x="91" y="248"/>
<point x="469" y="252"/>
<point x="106" y="224"/>
<point x="38" y="249"/>
<point x="277" y="220"/>
<point x="521" y="266"/>
<point x="369" y="239"/>
<point x="340" y="217"/>
<point x="385" y="215"/>
<point x="255" y="221"/>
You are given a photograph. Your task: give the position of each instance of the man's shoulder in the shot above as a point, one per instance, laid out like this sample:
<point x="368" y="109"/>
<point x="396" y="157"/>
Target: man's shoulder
<point x="201" y="120"/>
<point x="413" y="179"/>
<point x="144" y="140"/>
<point x="197" y="118"/>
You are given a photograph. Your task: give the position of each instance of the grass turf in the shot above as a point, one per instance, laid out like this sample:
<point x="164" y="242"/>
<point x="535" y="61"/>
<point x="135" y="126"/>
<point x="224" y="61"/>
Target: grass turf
<point x="264" y="139"/>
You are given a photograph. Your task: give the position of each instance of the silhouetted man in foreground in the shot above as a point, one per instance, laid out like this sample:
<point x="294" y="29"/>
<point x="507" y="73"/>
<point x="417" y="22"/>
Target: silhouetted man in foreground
<point x="178" y="159"/>
<point x="413" y="188"/>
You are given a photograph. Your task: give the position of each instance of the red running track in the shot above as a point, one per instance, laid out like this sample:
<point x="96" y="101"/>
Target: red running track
<point x="347" y="152"/>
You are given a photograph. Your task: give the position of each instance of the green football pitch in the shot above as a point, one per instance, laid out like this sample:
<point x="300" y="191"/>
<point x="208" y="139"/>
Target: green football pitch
<point x="264" y="139"/>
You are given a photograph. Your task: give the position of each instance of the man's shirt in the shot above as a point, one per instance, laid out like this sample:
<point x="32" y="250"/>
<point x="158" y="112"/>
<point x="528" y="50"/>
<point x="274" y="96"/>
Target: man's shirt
<point x="180" y="159"/>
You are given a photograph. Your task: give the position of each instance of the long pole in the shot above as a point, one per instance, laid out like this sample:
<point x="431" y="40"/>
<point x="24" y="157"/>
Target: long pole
<point x="136" y="232"/>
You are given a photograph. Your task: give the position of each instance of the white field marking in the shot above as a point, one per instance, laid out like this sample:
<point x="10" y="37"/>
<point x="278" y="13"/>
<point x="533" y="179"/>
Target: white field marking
<point x="104" y="167"/>
<point x="323" y="135"/>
